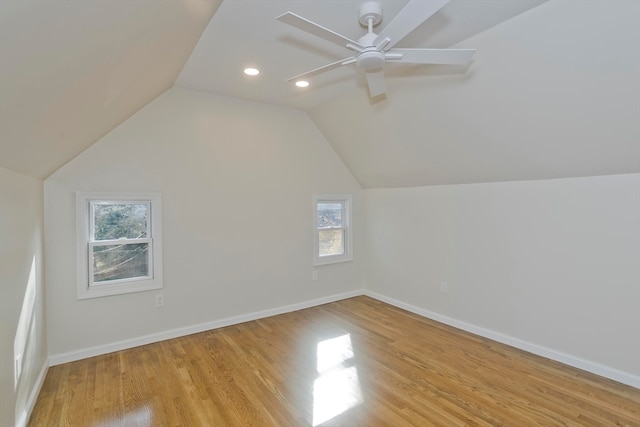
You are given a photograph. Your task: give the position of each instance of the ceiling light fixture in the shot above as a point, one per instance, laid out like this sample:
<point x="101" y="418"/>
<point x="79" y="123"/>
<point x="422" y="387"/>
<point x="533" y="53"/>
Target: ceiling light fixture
<point x="251" y="71"/>
<point x="302" y="83"/>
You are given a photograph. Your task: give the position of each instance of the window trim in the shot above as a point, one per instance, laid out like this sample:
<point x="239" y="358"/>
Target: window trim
<point x="84" y="228"/>
<point x="347" y="200"/>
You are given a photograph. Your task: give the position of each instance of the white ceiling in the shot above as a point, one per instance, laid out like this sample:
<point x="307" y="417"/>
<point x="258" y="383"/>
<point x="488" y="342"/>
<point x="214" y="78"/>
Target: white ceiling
<point x="553" y="91"/>
<point x="245" y="33"/>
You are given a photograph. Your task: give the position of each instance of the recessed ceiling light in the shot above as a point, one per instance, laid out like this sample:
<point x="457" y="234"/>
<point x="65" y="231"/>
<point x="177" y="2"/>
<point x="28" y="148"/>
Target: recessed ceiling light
<point x="302" y="83"/>
<point x="251" y="71"/>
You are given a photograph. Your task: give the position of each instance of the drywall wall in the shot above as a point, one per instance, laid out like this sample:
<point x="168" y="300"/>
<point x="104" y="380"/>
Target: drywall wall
<point x="237" y="180"/>
<point x="22" y="325"/>
<point x="553" y="263"/>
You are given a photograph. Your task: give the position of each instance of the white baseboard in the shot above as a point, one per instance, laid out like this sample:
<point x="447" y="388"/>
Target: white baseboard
<point x="576" y="362"/>
<point x="586" y="365"/>
<point x="58" y="359"/>
<point x="33" y="396"/>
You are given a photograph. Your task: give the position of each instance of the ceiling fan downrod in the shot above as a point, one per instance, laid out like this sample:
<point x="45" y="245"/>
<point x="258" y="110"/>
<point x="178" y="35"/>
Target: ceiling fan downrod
<point x="371" y="58"/>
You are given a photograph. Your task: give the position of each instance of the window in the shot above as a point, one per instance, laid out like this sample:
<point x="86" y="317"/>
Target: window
<point x="119" y="243"/>
<point x="333" y="240"/>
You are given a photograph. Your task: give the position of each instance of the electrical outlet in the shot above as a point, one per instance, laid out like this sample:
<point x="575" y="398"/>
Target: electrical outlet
<point x="444" y="288"/>
<point x="160" y="300"/>
<point x="314" y="275"/>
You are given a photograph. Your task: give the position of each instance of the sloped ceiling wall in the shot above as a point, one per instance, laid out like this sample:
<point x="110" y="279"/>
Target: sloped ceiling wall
<point x="554" y="92"/>
<point x="73" y="70"/>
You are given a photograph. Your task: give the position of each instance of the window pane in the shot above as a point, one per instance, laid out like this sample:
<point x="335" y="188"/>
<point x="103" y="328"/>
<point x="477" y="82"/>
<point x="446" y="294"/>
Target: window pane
<point x="331" y="241"/>
<point x="122" y="220"/>
<point x="113" y="262"/>
<point x="329" y="215"/>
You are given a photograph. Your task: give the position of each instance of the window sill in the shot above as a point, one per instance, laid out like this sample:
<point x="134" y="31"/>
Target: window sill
<point x="98" y="291"/>
<point x="333" y="259"/>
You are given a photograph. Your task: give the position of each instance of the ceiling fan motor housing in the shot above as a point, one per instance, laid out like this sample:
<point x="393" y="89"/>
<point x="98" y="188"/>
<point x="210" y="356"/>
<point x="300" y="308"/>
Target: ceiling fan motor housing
<point x="370" y="59"/>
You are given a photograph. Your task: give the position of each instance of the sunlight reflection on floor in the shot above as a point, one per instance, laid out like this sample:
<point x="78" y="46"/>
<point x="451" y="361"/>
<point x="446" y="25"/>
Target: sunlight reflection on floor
<point x="141" y="417"/>
<point x="337" y="388"/>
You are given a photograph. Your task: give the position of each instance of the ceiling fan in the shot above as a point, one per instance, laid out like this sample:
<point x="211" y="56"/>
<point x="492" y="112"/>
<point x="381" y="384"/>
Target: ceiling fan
<point x="373" y="50"/>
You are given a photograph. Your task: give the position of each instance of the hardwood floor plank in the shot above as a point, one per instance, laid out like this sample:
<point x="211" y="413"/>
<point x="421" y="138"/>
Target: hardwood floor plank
<point x="356" y="362"/>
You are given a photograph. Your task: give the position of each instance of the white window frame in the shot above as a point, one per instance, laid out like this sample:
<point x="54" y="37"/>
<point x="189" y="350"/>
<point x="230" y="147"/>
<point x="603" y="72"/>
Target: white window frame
<point x="85" y="218"/>
<point x="346" y="201"/>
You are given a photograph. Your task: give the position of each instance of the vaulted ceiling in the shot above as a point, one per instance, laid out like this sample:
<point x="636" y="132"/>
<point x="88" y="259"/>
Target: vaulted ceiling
<point x="553" y="90"/>
<point x="71" y="71"/>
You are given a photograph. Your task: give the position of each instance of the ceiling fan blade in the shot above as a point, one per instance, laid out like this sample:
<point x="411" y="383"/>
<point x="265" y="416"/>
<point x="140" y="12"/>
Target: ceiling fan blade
<point x="315" y="29"/>
<point x="324" y="68"/>
<point x="377" y="85"/>
<point x="413" y="14"/>
<point x="432" y="56"/>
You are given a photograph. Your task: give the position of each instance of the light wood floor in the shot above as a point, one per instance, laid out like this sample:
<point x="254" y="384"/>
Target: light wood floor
<point x="357" y="362"/>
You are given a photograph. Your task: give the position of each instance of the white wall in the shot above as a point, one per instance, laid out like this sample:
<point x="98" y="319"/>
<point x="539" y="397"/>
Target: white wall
<point x="237" y="180"/>
<point x="22" y="325"/>
<point x="553" y="263"/>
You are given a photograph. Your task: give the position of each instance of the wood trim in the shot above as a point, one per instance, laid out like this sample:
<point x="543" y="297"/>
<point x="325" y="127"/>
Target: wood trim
<point x="71" y="356"/>
<point x="558" y="356"/>
<point x="401" y="369"/>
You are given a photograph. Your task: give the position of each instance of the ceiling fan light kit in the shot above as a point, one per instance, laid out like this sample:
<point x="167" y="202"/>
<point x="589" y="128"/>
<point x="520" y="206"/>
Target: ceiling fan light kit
<point x="373" y="50"/>
<point x="370" y="60"/>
